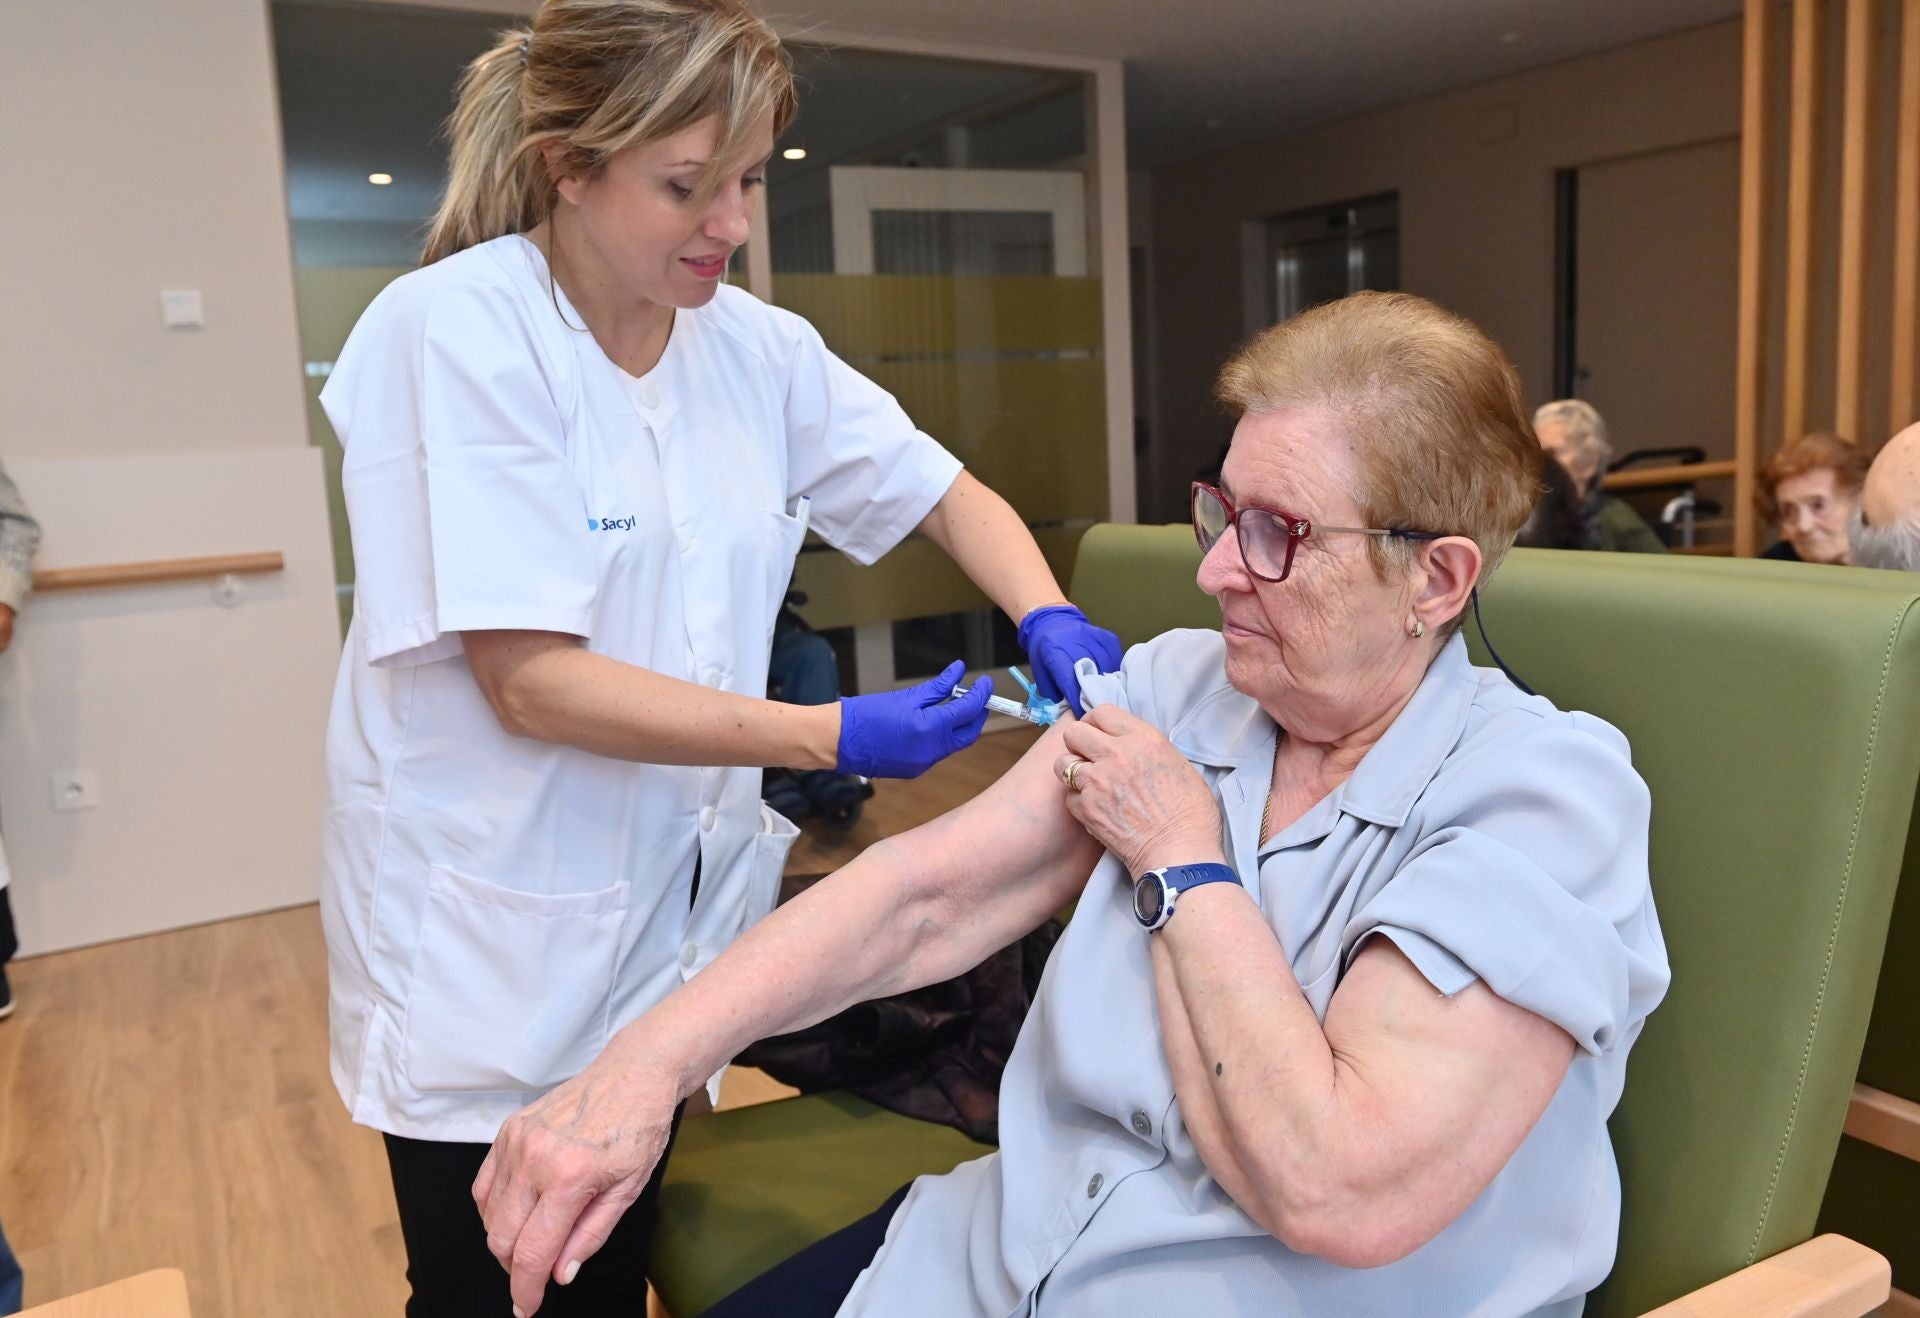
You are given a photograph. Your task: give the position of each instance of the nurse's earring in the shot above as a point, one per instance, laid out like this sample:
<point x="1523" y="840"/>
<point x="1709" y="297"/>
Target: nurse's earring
<point x="1418" y="629"/>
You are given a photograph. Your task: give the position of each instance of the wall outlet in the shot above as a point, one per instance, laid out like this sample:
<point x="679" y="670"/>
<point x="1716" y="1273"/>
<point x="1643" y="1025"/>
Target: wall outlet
<point x="74" y="789"/>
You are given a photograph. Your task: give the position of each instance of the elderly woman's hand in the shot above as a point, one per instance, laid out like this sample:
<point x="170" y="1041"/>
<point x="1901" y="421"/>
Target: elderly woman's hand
<point x="564" y="1169"/>
<point x="1136" y="794"/>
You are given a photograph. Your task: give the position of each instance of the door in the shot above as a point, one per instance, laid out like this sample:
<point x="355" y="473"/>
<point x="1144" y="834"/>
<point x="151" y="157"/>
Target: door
<point x="1656" y="282"/>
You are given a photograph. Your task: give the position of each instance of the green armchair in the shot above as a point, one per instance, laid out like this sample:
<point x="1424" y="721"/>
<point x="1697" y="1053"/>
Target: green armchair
<point x="1777" y="719"/>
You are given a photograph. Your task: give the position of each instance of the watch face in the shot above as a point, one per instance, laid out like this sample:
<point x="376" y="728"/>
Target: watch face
<point x="1148" y="898"/>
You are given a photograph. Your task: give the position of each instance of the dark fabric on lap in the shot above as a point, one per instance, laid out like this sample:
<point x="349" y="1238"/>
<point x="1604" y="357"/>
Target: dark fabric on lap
<point x="814" y="1283"/>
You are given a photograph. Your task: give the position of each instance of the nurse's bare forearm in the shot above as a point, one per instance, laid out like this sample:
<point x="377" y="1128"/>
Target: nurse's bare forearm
<point x="984" y="535"/>
<point x="549" y="687"/>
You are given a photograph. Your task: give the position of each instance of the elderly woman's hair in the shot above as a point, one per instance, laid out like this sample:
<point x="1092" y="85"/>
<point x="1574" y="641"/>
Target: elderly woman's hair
<point x="1583" y="426"/>
<point x="1434" y="405"/>
<point x="1819" y="450"/>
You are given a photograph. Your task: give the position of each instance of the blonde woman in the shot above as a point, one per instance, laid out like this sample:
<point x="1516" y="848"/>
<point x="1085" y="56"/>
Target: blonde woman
<point x="578" y="469"/>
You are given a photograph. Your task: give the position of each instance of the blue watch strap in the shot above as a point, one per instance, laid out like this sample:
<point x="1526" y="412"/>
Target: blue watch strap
<point x="1181" y="878"/>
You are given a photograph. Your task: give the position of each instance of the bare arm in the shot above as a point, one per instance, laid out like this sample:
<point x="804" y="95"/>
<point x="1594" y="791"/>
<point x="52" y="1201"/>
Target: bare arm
<point x="550" y="687"/>
<point x="982" y="533"/>
<point x="910" y="911"/>
<point x="1358" y="1141"/>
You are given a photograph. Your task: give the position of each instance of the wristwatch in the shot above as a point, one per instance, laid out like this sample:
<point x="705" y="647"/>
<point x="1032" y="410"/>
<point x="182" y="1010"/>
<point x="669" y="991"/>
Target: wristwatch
<point x="1154" y="891"/>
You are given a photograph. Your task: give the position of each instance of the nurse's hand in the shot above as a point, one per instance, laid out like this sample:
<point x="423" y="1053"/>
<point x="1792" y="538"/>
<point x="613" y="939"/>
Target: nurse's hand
<point x="1058" y="636"/>
<point x="1136" y="793"/>
<point x="563" y="1170"/>
<point x="902" y="734"/>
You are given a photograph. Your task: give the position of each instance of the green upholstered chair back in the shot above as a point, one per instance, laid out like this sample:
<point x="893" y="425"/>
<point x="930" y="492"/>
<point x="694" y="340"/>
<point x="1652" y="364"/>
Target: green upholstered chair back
<point x="1776" y="716"/>
<point x="1139" y="580"/>
<point x="1874" y="1195"/>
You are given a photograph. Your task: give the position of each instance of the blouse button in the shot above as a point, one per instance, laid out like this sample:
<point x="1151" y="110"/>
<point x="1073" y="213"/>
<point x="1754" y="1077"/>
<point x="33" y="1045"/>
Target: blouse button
<point x="1141" y="1125"/>
<point x="708" y="817"/>
<point x="1093" y="1186"/>
<point x="650" y="396"/>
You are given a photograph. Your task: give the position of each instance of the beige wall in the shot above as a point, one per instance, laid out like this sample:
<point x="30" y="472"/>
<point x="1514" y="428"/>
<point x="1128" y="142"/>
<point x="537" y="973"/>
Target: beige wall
<point x="142" y="152"/>
<point x="1474" y="170"/>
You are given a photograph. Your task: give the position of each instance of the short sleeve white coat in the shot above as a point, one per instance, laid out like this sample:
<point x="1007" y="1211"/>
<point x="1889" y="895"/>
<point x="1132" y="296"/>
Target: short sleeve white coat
<point x="496" y="907"/>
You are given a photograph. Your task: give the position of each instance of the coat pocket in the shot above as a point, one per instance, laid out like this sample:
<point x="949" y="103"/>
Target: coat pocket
<point x="770" y="848"/>
<point x="510" y="990"/>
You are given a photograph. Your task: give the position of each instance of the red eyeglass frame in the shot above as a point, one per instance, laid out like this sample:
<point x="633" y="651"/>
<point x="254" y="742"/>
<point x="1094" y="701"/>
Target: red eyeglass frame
<point x="1294" y="527"/>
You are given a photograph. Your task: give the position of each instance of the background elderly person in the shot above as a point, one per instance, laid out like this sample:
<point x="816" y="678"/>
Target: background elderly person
<point x="1366" y="1065"/>
<point x="1811" y="486"/>
<point x="1573" y="432"/>
<point x="1885" y="528"/>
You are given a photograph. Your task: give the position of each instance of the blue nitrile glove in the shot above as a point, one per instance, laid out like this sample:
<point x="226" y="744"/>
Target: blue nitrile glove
<point x="1057" y="635"/>
<point x="902" y="734"/>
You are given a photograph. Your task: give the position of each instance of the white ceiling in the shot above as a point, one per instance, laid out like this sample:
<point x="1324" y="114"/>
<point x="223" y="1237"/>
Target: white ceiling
<point x="365" y="85"/>
<point x="1207" y="74"/>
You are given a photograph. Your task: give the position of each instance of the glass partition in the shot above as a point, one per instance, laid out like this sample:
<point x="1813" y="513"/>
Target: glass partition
<point x="937" y="231"/>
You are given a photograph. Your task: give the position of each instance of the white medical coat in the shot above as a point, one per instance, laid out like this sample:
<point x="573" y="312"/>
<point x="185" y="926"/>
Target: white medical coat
<point x="496" y="907"/>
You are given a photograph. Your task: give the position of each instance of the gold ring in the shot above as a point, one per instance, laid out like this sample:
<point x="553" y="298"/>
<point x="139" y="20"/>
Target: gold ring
<point x="1073" y="767"/>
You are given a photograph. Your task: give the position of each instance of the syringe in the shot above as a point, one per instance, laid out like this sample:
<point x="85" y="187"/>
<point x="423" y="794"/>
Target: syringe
<point x="1037" y="709"/>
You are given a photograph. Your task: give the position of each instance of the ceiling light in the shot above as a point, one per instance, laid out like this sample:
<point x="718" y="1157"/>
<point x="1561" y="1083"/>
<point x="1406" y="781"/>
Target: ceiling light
<point x="794" y="153"/>
<point x="379" y="180"/>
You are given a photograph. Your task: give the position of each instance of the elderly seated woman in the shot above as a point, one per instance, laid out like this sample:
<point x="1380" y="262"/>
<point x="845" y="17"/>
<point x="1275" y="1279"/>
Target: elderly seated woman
<point x="1364" y="933"/>
<point x="1811" y="487"/>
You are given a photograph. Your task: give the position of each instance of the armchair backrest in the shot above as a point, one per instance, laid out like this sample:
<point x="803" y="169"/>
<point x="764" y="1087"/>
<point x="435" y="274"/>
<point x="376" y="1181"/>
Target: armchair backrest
<point x="1776" y="717"/>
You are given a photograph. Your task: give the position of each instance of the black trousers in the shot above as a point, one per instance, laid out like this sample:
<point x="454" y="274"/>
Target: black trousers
<point x="454" y="1276"/>
<point x="814" y="1282"/>
<point x="9" y="944"/>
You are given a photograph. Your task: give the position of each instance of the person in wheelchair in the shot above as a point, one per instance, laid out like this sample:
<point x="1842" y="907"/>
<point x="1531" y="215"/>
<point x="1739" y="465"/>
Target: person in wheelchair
<point x="1363" y="937"/>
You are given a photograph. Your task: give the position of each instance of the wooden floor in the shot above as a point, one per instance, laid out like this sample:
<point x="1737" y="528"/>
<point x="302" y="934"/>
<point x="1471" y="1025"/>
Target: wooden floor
<point x="164" y="1102"/>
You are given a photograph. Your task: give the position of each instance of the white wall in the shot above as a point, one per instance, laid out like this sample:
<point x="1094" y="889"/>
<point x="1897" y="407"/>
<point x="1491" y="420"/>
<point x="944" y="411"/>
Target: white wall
<point x="203" y="723"/>
<point x="141" y="153"/>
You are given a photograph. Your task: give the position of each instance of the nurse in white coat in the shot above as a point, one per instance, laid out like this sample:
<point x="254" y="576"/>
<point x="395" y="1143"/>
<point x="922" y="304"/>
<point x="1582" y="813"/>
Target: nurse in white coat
<point x="578" y="469"/>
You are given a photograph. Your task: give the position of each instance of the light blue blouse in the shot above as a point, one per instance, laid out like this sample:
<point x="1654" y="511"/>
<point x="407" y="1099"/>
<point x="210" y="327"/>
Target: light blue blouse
<point x="1491" y="837"/>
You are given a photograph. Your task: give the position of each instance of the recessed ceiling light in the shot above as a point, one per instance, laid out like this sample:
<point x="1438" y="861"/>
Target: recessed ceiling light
<point x="379" y="180"/>
<point x="794" y="153"/>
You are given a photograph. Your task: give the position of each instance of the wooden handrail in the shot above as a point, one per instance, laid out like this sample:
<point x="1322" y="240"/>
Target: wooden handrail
<point x="1886" y="1121"/>
<point x="1634" y="478"/>
<point x="164" y="569"/>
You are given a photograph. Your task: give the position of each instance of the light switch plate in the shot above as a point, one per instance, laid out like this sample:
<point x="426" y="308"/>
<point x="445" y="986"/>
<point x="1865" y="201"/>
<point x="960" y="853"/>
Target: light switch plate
<point x="181" y="308"/>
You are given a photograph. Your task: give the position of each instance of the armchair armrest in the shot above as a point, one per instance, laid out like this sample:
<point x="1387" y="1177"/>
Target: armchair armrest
<point x="1828" y="1277"/>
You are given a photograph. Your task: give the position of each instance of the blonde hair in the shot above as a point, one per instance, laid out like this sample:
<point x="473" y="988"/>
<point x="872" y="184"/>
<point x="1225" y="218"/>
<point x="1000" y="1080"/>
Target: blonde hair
<point x="1585" y="429"/>
<point x="592" y="78"/>
<point x="1433" y="404"/>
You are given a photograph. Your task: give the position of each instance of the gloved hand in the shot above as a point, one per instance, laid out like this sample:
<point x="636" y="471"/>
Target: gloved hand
<point x="902" y="734"/>
<point x="1057" y="635"/>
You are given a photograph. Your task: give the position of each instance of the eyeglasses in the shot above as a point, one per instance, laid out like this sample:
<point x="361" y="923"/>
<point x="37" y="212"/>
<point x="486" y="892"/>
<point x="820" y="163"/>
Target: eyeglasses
<point x="1268" y="536"/>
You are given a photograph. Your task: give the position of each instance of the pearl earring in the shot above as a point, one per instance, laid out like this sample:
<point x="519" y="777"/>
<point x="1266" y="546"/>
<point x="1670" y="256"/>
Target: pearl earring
<point x="1418" y="629"/>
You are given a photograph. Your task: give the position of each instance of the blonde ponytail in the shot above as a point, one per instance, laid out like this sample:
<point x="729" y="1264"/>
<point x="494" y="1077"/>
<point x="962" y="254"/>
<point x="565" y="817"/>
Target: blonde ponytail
<point x="592" y="78"/>
<point x="491" y="185"/>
